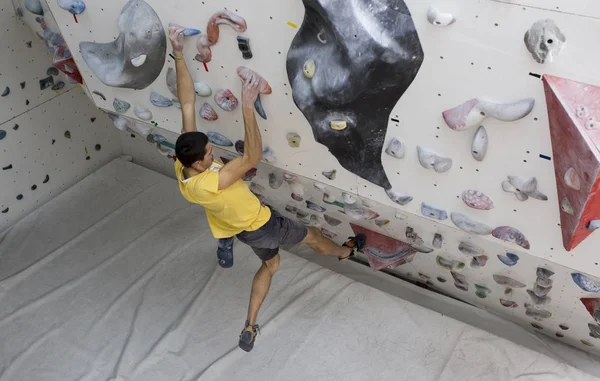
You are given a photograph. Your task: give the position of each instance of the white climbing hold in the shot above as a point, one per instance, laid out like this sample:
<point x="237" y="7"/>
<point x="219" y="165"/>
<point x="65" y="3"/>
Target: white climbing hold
<point x="396" y="149"/>
<point x="544" y="40"/>
<point x="348" y="198"/>
<point x="202" y="89"/>
<point x="475" y="111"/>
<point x="566" y="207"/>
<point x="401" y="199"/>
<point x="437" y="18"/>
<point x="480" y="144"/>
<point x="466" y="224"/>
<point x="594" y="225"/>
<point x="142" y="113"/>
<point x="523" y="189"/>
<point x="320" y="187"/>
<point x="139" y="60"/>
<point x="430" y="159"/>
<point x="309" y="68"/>
<point x="572" y="179"/>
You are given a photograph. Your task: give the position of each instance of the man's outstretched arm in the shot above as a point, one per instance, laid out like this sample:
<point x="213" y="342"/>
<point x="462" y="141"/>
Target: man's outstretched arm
<point x="235" y="169"/>
<point x="185" y="85"/>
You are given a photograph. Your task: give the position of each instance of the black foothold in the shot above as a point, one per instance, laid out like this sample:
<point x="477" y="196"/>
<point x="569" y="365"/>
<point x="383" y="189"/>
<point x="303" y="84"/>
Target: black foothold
<point x="46" y="179"/>
<point x="7" y="167"/>
<point x="6" y="91"/>
<point x="68" y="134"/>
<point x="244" y="46"/>
<point x="16" y="127"/>
<point x="98" y="147"/>
<point x="28" y="43"/>
<point x="53" y="141"/>
<point x="99" y="94"/>
<point x="5" y="210"/>
<point x="19" y="197"/>
<point x="92" y="120"/>
<point x="87" y="158"/>
<point x="33" y="187"/>
<point x="26" y="102"/>
<point x="22" y="85"/>
<point x="46" y="82"/>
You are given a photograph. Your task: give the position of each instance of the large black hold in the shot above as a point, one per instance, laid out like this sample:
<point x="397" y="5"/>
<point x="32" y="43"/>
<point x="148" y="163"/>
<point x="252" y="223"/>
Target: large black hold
<point x="366" y="55"/>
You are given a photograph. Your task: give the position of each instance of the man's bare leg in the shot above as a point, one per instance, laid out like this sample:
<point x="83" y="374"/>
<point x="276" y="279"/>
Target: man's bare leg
<point x="260" y="287"/>
<point x="325" y="246"/>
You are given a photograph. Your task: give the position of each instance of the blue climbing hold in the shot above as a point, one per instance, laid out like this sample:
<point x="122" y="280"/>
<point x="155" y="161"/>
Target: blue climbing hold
<point x="218" y="139"/>
<point x="509" y="259"/>
<point x="259" y="108"/>
<point x="586" y="283"/>
<point x="75" y="7"/>
<point x="188" y="32"/>
<point x="35" y="7"/>
<point x="2" y="134"/>
<point x="6" y="91"/>
<point x="160" y="101"/>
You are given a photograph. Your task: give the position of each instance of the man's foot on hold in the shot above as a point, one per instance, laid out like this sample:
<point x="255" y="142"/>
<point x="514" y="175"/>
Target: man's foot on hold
<point x="248" y="335"/>
<point x="357" y="245"/>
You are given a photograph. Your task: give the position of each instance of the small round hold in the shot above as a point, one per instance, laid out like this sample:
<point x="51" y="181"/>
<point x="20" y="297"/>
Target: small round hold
<point x="52" y="71"/>
<point x="592" y="124"/>
<point x="309" y="69"/>
<point x="68" y="134"/>
<point x="33" y="187"/>
<point x="338" y="125"/>
<point x="294" y="140"/>
<point x="97" y="147"/>
<point x="19" y="197"/>
<point x="582" y="112"/>
<point x="87" y="158"/>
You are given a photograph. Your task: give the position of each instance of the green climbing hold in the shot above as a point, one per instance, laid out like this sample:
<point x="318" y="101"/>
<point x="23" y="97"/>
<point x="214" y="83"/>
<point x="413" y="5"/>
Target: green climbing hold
<point x="121" y="106"/>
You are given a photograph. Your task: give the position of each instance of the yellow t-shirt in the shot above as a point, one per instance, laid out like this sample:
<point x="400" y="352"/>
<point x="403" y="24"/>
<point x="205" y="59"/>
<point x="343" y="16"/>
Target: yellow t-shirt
<point x="230" y="211"/>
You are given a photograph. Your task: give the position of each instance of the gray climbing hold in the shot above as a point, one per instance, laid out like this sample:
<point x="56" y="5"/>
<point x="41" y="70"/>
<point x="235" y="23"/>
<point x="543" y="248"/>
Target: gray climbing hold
<point x="537" y="300"/>
<point x="460" y="281"/>
<point x="172" y="81"/>
<point x="480" y="144"/>
<point x="330" y="174"/>
<point x="543" y="273"/>
<point x="544" y="40"/>
<point x="219" y="139"/>
<point x="275" y="180"/>
<point x="141" y="33"/>
<point x="510" y="234"/>
<point x="438" y="240"/>
<point x="473" y="112"/>
<point x="430" y="211"/>
<point x="431" y="160"/>
<point x="244" y="46"/>
<point x="594" y="225"/>
<point x="523" y="188"/>
<point x="396" y="149"/>
<point x="508" y="303"/>
<point x="314" y="206"/>
<point x="52" y="71"/>
<point x="565" y="206"/>
<point x="507" y="281"/>
<point x="58" y="85"/>
<point x="477" y="200"/>
<point x="537" y="314"/>
<point x="470" y="249"/>
<point x="540" y="290"/>
<point x="142" y="112"/>
<point x="121" y="106"/>
<point x="34" y="6"/>
<point x="449" y="264"/>
<point x="401" y="199"/>
<point x="259" y="108"/>
<point x="466" y="224"/>
<point x="269" y="155"/>
<point x="257" y="189"/>
<point x="331" y="220"/>
<point x="160" y="101"/>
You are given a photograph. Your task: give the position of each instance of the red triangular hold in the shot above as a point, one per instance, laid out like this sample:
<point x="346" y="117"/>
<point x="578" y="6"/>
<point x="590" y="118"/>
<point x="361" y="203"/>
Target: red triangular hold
<point x="574" y="115"/>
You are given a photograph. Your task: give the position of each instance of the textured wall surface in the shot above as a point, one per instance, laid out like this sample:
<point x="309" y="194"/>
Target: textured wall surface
<point x="482" y="54"/>
<point x="50" y="136"/>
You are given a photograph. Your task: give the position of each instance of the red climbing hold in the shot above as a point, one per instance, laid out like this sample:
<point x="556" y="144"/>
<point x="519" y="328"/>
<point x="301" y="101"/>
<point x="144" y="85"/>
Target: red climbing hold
<point x="574" y="112"/>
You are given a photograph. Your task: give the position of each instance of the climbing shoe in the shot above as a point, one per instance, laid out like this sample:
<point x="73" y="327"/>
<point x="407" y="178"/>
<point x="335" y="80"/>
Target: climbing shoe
<point x="357" y="245"/>
<point x="225" y="252"/>
<point x="247" y="337"/>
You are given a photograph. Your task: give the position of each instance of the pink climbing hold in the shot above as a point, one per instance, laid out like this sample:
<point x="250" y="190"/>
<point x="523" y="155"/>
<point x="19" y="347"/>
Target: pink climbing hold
<point x="456" y="117"/>
<point x="244" y="73"/>
<point x="207" y="112"/>
<point x="510" y="234"/>
<point x="212" y="32"/>
<point x="477" y="200"/>
<point x="226" y="100"/>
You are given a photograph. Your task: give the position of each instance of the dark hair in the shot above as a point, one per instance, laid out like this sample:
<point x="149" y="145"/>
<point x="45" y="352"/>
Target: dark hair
<point x="191" y="147"/>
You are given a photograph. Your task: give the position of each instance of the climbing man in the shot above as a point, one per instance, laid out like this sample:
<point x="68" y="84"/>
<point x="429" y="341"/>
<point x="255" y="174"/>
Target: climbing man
<point x="231" y="209"/>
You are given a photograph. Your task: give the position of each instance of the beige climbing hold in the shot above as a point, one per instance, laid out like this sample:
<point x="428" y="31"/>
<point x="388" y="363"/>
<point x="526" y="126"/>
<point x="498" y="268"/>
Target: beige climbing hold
<point x="309" y="68"/>
<point x="338" y="125"/>
<point x="294" y="140"/>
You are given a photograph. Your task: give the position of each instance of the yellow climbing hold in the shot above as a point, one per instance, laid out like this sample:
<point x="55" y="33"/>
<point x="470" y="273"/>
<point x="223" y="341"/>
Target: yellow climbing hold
<point x="294" y="140"/>
<point x="309" y="68"/>
<point x="338" y="125"/>
<point x="292" y="25"/>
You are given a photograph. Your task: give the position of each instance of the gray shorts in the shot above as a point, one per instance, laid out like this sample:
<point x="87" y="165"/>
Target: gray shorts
<point x="277" y="231"/>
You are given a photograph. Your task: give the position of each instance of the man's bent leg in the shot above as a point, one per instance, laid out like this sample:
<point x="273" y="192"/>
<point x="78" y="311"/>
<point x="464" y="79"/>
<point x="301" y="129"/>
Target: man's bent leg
<point x="260" y="287"/>
<point x="325" y="246"/>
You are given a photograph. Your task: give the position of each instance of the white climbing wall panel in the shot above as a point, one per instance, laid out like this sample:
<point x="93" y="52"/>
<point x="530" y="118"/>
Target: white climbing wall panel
<point x="35" y="122"/>
<point x="482" y="54"/>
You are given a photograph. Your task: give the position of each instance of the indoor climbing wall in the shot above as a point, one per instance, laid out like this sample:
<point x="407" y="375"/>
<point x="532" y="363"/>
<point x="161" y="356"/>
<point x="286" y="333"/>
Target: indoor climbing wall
<point x="49" y="139"/>
<point x="432" y="117"/>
